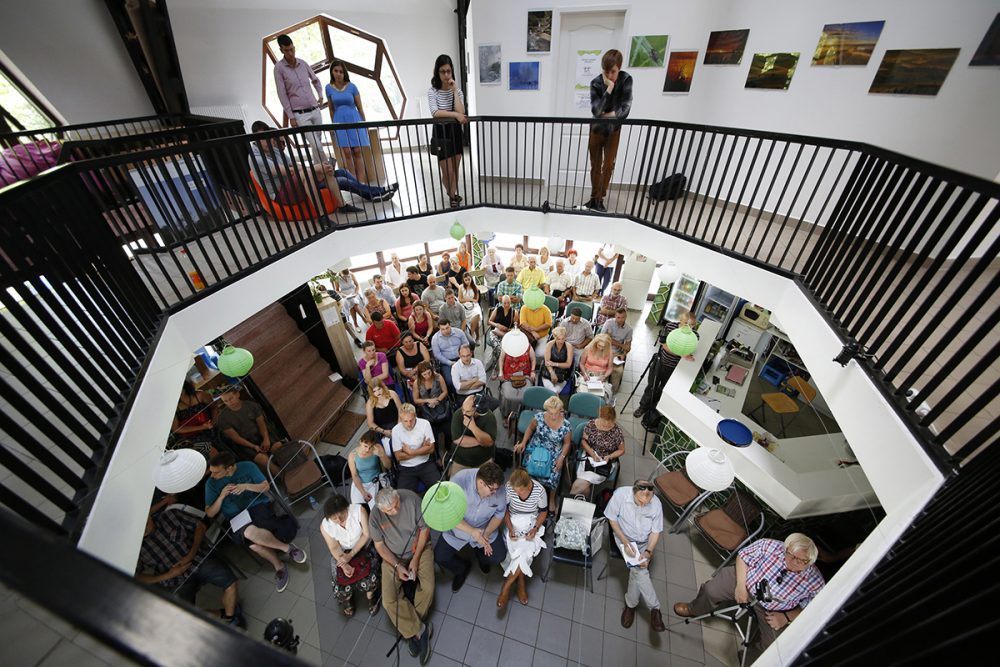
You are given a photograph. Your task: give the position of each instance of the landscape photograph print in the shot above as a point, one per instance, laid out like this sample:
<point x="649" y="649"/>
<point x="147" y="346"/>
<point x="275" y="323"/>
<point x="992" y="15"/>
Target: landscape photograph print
<point x="913" y="71"/>
<point x="523" y="76"/>
<point x="489" y="64"/>
<point x="988" y="53"/>
<point x="680" y="71"/>
<point x="725" y="47"/>
<point x="772" y="71"/>
<point x="847" y="43"/>
<point x="540" y="31"/>
<point x="648" y="51"/>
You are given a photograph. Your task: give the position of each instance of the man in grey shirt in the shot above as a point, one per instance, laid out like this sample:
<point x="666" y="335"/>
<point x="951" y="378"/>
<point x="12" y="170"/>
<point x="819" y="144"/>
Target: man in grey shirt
<point x="579" y="332"/>
<point x="621" y="342"/>
<point x="433" y="296"/>
<point x="479" y="528"/>
<point x="636" y="519"/>
<point x="400" y="535"/>
<point x="452" y="310"/>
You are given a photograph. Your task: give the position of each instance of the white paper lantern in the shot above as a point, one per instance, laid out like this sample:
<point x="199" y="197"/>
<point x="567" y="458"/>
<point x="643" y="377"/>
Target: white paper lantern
<point x="710" y="469"/>
<point x="556" y="244"/>
<point x="180" y="470"/>
<point x="514" y="343"/>
<point x="669" y="273"/>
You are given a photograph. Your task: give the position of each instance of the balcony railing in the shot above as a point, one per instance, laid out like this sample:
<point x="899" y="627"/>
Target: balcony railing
<point x="899" y="255"/>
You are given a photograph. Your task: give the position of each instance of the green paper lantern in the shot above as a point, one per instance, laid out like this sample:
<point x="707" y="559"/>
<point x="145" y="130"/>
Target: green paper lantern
<point x="682" y="341"/>
<point x="457" y="231"/>
<point x="534" y="298"/>
<point x="444" y="506"/>
<point x="235" y="362"/>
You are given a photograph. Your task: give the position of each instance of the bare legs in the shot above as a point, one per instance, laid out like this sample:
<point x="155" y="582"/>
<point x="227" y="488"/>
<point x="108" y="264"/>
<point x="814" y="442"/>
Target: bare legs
<point x="229" y="600"/>
<point x="356" y="163"/>
<point x="581" y="487"/>
<point x="266" y="545"/>
<point x="449" y="175"/>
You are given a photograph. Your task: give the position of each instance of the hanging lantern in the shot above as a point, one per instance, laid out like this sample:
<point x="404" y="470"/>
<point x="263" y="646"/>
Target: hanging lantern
<point x="669" y="273"/>
<point x="534" y="298"/>
<point x="682" y="341"/>
<point x="514" y="343"/>
<point x="444" y="506"/>
<point x="179" y="470"/>
<point x="235" y="361"/>
<point x="457" y="231"/>
<point x="709" y="469"/>
<point x="555" y="244"/>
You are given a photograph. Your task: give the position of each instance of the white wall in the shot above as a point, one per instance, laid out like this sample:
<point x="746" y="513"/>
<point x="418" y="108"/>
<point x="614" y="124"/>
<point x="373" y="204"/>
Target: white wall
<point x="956" y="128"/>
<point x="72" y="53"/>
<point x="219" y="46"/>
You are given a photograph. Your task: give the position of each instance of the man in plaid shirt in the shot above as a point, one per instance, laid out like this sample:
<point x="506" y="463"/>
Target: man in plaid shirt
<point x="174" y="556"/>
<point x="511" y="288"/>
<point x="792" y="577"/>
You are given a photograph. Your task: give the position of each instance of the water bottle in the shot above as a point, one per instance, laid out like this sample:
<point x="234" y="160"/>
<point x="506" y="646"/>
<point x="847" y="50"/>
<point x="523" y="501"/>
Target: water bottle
<point x="313" y="503"/>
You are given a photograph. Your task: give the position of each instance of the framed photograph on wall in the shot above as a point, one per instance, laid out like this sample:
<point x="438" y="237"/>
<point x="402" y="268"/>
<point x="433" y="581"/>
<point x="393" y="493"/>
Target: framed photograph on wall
<point x="680" y="71"/>
<point x="489" y="64"/>
<point x="913" y="71"/>
<point x="847" y="43"/>
<point x="540" y="31"/>
<point x="772" y="71"/>
<point x="988" y="53"/>
<point x="725" y="47"/>
<point x="523" y="76"/>
<point x="647" y="51"/>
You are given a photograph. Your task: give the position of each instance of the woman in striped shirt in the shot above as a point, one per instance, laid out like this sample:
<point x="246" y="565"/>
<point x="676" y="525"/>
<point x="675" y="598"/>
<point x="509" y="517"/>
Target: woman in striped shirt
<point x="527" y="508"/>
<point x="445" y="101"/>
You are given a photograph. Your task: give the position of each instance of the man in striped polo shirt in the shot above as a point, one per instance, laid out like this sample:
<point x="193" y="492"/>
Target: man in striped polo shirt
<point x="663" y="366"/>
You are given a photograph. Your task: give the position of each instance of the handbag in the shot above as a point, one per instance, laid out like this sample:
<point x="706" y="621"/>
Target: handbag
<point x="539" y="463"/>
<point x="518" y="380"/>
<point x="362" y="564"/>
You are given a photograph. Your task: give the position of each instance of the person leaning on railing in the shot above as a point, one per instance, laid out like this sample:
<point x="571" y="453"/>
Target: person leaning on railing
<point x="610" y="97"/>
<point x="445" y="101"/>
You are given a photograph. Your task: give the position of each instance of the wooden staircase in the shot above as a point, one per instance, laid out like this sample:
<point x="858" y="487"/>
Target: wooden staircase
<point x="291" y="374"/>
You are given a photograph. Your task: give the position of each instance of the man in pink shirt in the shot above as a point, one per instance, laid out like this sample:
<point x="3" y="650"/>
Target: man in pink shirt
<point x="292" y="78"/>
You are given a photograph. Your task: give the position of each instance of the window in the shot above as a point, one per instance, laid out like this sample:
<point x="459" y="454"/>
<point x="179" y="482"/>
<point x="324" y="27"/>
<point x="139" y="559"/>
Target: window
<point x="20" y="110"/>
<point x="322" y="39"/>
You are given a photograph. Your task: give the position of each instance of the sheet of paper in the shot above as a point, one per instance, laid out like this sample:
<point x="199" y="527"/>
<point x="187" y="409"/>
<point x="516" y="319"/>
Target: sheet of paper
<point x="240" y="520"/>
<point x="595" y="384"/>
<point x="597" y="464"/>
<point x="633" y="561"/>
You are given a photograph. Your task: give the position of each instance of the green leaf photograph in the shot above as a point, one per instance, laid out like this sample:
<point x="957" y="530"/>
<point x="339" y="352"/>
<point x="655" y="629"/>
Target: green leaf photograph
<point x="648" y="51"/>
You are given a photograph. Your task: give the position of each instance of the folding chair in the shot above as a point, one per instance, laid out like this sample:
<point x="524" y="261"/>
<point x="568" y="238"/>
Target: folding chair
<point x="583" y="407"/>
<point x="581" y="511"/>
<point x="532" y="400"/>
<point x="301" y="477"/>
<point x="730" y="527"/>
<point x="586" y="309"/>
<point x="677" y="489"/>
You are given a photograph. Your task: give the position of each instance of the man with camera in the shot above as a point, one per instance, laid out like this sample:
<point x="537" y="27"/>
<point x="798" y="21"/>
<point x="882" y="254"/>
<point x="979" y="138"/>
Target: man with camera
<point x="663" y="365"/>
<point x="792" y="577"/>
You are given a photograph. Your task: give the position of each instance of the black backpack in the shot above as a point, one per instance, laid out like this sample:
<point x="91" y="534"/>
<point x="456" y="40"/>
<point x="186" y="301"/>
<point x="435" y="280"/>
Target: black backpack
<point x="670" y="187"/>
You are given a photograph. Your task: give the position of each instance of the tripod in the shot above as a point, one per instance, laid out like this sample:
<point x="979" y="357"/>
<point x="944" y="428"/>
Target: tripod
<point x="736" y="612"/>
<point x="661" y="338"/>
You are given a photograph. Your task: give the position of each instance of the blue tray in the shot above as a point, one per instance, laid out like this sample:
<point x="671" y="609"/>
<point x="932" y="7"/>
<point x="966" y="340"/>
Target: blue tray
<point x="734" y="432"/>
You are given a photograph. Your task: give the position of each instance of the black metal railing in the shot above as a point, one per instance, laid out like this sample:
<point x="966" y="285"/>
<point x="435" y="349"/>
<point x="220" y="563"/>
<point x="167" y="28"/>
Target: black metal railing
<point x="898" y="254"/>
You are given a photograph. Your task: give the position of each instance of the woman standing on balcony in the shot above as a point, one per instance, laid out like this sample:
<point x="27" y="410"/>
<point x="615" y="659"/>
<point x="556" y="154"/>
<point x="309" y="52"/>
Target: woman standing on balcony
<point x="345" y="107"/>
<point x="445" y="101"/>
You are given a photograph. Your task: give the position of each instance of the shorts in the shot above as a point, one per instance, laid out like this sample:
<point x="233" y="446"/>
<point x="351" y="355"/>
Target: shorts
<point x="263" y="516"/>
<point x="210" y="571"/>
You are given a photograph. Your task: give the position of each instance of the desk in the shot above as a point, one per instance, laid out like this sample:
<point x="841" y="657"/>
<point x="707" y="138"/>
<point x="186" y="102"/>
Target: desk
<point x="800" y="479"/>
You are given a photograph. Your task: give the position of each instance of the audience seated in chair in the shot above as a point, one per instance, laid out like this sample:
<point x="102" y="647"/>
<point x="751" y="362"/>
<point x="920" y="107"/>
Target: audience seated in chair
<point x="430" y="395"/>
<point x="366" y="463"/>
<point x="446" y="345"/>
<point x="409" y="354"/>
<point x="474" y="435"/>
<point x="383" y="332"/>
<point x="354" y="563"/>
<point x="175" y="555"/>
<point x="549" y="432"/>
<point x="516" y="374"/>
<point x="468" y="375"/>
<point x="453" y="311"/>
<point x="412" y="445"/>
<point x="433" y="295"/>
<point x="585" y="285"/>
<point x="422" y="323"/>
<point x="558" y="363"/>
<point x="194" y="421"/>
<point x="579" y="332"/>
<point x="510" y="287"/>
<point x="382" y="408"/>
<point x="243" y="425"/>
<point x="559" y="283"/>
<point x="233" y="488"/>
<point x="621" y="342"/>
<point x="603" y="442"/>
<point x="374" y="365"/>
<point x="527" y="509"/>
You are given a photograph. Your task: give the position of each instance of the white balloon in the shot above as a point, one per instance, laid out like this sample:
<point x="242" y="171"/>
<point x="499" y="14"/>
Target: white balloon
<point x="556" y="243"/>
<point x="514" y="343"/>
<point x="669" y="273"/>
<point x="179" y="470"/>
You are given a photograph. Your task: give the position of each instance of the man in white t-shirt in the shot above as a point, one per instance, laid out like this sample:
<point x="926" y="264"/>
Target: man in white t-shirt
<point x="412" y="445"/>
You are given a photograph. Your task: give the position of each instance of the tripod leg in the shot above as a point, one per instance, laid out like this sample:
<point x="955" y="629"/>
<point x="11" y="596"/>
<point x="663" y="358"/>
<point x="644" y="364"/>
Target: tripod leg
<point x="639" y="381"/>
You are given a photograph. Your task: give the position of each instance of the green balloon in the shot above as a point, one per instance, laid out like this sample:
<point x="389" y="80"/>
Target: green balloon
<point x="534" y="298"/>
<point x="457" y="231"/>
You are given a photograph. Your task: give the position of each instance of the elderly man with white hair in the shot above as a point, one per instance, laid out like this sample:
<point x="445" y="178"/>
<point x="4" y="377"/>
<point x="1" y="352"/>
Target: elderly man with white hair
<point x="793" y="580"/>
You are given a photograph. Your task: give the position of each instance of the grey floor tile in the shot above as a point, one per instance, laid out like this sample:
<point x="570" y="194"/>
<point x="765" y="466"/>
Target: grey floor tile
<point x="490" y="617"/>
<point x="453" y="638"/>
<point x="553" y="634"/>
<point x="522" y="623"/>
<point x="377" y="647"/>
<point x="618" y="651"/>
<point x="68" y="654"/>
<point x="545" y="659"/>
<point x="351" y="642"/>
<point x="586" y="646"/>
<point x="441" y="661"/>
<point x="484" y="648"/>
<point x="516" y="653"/>
<point x="588" y="608"/>
<point x="559" y="599"/>
<point x="687" y="641"/>
<point x="645" y="635"/>
<point x="465" y="603"/>
<point x="310" y="654"/>
<point x="680" y="661"/>
<point x="613" y="620"/>
<point x="680" y="571"/>
<point x="23" y="640"/>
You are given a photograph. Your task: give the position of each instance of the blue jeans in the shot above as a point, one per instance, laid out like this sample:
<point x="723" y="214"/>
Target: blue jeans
<point x="348" y="182"/>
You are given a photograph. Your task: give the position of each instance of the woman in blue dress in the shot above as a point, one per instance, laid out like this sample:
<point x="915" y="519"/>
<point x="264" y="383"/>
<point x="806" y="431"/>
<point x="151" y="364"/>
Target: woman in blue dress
<point x="549" y="430"/>
<point x="345" y="107"/>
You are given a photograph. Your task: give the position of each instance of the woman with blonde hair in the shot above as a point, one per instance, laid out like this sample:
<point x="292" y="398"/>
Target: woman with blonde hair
<point x="381" y="408"/>
<point x="546" y="445"/>
<point x="558" y="361"/>
<point x="527" y="509"/>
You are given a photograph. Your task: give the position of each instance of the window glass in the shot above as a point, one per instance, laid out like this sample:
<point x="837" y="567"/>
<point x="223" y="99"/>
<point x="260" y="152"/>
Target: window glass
<point x="371" y="99"/>
<point x="586" y="250"/>
<point x="406" y="252"/>
<point x="352" y="48"/>
<point x="17" y="104"/>
<point x="271" y="101"/>
<point x="392" y="88"/>
<point x="507" y="240"/>
<point x="363" y="260"/>
<point x="440" y="245"/>
<point x="308" y="43"/>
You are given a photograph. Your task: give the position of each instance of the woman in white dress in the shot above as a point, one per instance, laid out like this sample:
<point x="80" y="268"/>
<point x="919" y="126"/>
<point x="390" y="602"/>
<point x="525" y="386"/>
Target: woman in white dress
<point x="468" y="296"/>
<point x="527" y="509"/>
<point x="545" y="261"/>
<point x="351" y="304"/>
<point x="354" y="563"/>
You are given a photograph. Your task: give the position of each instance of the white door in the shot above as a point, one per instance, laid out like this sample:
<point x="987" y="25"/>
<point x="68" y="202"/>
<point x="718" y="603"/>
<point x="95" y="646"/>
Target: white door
<point x="579" y="31"/>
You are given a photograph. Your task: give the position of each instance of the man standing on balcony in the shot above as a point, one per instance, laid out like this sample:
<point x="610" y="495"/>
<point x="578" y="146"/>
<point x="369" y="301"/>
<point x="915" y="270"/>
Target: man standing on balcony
<point x="292" y="78"/>
<point x="610" y="98"/>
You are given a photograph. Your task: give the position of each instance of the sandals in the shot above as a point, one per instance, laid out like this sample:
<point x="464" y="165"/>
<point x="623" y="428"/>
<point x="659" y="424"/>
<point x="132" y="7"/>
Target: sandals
<point x="374" y="604"/>
<point x="455" y="200"/>
<point x="348" y="611"/>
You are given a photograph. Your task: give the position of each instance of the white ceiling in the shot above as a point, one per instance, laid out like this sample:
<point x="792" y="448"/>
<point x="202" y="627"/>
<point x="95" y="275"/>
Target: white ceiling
<point x="317" y="7"/>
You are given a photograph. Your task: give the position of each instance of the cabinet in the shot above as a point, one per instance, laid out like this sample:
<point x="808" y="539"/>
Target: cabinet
<point x="745" y="334"/>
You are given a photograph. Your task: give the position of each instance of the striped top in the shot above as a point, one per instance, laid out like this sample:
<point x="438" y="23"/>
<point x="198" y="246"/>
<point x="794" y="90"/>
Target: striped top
<point x="442" y="100"/>
<point x="536" y="502"/>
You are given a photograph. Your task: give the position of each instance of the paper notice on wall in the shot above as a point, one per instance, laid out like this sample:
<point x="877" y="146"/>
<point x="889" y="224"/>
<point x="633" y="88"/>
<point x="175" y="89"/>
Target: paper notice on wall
<point x="588" y="65"/>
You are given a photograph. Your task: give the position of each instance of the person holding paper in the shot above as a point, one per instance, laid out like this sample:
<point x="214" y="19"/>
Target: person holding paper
<point x="603" y="442"/>
<point x="637" y="521"/>
<point x="238" y="491"/>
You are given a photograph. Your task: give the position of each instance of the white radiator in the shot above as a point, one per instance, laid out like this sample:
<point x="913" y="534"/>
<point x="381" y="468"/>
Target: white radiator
<point x="235" y="111"/>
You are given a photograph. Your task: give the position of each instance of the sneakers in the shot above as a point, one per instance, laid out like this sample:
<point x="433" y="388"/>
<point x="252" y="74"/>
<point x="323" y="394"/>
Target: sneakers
<point x="591" y="204"/>
<point x="484" y="568"/>
<point x="236" y="619"/>
<point x="459" y="580"/>
<point x="425" y="643"/>
<point x="413" y="644"/>
<point x="296" y="554"/>
<point x="599" y="207"/>
<point x="349" y="208"/>
<point x="281" y="580"/>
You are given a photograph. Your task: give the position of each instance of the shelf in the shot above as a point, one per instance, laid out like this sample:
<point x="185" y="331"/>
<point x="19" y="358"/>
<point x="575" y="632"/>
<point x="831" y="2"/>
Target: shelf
<point x="725" y="304"/>
<point x="797" y="364"/>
